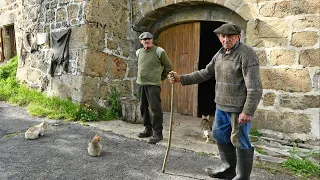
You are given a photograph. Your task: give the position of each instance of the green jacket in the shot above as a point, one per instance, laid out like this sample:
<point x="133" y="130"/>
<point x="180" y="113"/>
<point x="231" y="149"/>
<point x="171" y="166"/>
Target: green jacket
<point x="153" y="66"/>
<point x="238" y="85"/>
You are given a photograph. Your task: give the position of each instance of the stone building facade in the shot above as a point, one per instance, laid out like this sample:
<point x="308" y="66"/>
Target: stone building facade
<point x="104" y="37"/>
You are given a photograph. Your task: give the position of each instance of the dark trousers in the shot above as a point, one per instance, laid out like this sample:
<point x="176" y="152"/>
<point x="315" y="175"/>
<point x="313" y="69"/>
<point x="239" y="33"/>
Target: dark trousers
<point x="150" y="96"/>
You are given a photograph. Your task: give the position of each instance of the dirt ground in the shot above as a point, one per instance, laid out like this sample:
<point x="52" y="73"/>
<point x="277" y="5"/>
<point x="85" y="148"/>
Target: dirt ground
<point x="186" y="132"/>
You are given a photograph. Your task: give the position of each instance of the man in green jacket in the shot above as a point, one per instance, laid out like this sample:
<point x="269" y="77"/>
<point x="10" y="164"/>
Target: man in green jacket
<point x="237" y="94"/>
<point x="153" y="67"/>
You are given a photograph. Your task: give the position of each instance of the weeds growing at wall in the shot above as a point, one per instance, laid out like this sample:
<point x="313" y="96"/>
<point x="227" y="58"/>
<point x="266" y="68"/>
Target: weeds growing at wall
<point x="41" y="105"/>
<point x="302" y="166"/>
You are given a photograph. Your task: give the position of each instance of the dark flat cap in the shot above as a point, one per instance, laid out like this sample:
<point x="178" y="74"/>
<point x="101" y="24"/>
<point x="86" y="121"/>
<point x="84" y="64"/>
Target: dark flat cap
<point x="145" y="35"/>
<point x="228" y="29"/>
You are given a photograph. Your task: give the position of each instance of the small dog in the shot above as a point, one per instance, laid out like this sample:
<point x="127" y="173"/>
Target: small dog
<point x="94" y="147"/>
<point x="34" y="132"/>
<point x="206" y="126"/>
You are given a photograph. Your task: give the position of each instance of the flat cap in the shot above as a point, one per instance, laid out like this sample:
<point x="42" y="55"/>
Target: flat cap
<point x="145" y="35"/>
<point x="228" y="29"/>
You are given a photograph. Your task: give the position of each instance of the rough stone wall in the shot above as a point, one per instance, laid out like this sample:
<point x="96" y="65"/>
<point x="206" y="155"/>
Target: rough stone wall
<point x="111" y="63"/>
<point x="285" y="35"/>
<point x="46" y="17"/>
<point x="100" y="49"/>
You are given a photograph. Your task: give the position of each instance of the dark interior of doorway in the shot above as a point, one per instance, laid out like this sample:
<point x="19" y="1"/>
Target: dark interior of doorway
<point x="209" y="45"/>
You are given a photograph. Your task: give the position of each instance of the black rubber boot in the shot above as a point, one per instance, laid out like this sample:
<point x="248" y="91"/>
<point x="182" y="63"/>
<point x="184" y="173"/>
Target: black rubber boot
<point x="229" y="161"/>
<point x="157" y="136"/>
<point x="244" y="164"/>
<point x="146" y="133"/>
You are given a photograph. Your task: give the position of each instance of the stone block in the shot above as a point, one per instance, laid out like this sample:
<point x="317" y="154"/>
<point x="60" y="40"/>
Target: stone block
<point x="290" y="80"/>
<point x="50" y="16"/>
<point x="104" y="91"/>
<point x="299" y="102"/>
<point x="89" y="89"/>
<point x="285" y="122"/>
<point x="248" y="11"/>
<point x="95" y="63"/>
<point x="33" y="75"/>
<point x="67" y="86"/>
<point x="310" y="57"/>
<point x="169" y="2"/>
<point x="268" y="99"/>
<point x="159" y="4"/>
<point x="220" y="2"/>
<point x="146" y="8"/>
<point x="307" y="22"/>
<point x="61" y="15"/>
<point x="299" y="7"/>
<point x="131" y="111"/>
<point x="276" y="9"/>
<point x="118" y="68"/>
<point x="123" y="87"/>
<point x="282" y="57"/>
<point x="78" y="36"/>
<point x="95" y="37"/>
<point x="72" y="11"/>
<point x="267" y="33"/>
<point x="232" y="4"/>
<point x="304" y="39"/>
<point x="267" y="42"/>
<point x="262" y="56"/>
<point x="268" y="29"/>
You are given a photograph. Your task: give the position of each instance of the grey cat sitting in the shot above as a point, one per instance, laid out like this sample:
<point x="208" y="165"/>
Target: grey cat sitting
<point x="34" y="132"/>
<point x="206" y="126"/>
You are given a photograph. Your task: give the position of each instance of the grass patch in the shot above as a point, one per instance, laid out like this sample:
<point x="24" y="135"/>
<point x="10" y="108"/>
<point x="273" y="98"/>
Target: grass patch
<point x="295" y="166"/>
<point x="41" y="105"/>
<point x="260" y="150"/>
<point x="301" y="166"/>
<point x="255" y="132"/>
<point x="13" y="134"/>
<point x="201" y="153"/>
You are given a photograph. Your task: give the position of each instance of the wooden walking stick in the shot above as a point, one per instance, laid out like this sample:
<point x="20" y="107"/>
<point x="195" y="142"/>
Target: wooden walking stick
<point x="170" y="132"/>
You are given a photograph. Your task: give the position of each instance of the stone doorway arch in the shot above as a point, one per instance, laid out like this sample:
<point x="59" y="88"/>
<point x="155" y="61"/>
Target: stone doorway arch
<point x="171" y="15"/>
<point x="209" y="17"/>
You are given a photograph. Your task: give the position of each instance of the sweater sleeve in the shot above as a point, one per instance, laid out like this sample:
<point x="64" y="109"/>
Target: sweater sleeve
<point x="200" y="75"/>
<point x="251" y="75"/>
<point x="167" y="66"/>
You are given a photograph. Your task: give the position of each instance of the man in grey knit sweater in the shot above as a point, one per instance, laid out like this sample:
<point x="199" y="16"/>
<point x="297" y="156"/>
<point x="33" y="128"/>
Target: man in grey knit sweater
<point x="238" y="91"/>
<point x="153" y="67"/>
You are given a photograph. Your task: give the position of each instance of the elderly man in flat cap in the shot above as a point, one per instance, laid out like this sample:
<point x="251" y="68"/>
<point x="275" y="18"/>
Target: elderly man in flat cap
<point x="153" y="67"/>
<point x="237" y="94"/>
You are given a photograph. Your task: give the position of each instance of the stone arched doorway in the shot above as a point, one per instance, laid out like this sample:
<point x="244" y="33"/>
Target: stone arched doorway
<point x="187" y="36"/>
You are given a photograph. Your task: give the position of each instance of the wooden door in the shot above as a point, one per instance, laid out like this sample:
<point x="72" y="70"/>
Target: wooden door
<point x="181" y="43"/>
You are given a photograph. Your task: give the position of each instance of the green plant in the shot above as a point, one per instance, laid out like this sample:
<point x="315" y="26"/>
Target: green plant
<point x="299" y="166"/>
<point x="114" y="102"/>
<point x="302" y="166"/>
<point x="255" y="132"/>
<point x="41" y="105"/>
<point x="260" y="150"/>
<point x="10" y="69"/>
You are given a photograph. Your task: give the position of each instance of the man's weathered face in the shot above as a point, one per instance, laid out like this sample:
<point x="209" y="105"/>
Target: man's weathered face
<point x="147" y="43"/>
<point x="228" y="40"/>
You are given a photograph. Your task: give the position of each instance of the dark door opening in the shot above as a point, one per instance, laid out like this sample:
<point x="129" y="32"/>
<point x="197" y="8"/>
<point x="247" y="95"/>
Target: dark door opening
<point x="209" y="46"/>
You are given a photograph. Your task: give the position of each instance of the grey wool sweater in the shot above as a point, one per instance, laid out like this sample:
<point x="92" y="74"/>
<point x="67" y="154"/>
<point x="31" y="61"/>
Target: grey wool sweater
<point x="153" y="66"/>
<point x="238" y="85"/>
